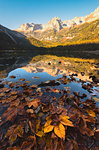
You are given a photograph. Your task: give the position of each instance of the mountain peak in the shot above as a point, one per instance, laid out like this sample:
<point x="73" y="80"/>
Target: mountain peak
<point x="55" y="24"/>
<point x="97" y="9"/>
<point x="29" y="27"/>
<point x="56" y="18"/>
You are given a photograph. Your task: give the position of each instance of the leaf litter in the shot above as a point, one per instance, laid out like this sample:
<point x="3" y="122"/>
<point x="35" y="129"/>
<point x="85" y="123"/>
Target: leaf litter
<point x="35" y="119"/>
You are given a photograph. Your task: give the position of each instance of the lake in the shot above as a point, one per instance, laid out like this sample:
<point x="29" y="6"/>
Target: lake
<point x="46" y="90"/>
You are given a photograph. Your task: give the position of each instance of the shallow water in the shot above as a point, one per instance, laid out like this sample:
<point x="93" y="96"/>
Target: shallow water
<point x="39" y="76"/>
<point x="52" y="90"/>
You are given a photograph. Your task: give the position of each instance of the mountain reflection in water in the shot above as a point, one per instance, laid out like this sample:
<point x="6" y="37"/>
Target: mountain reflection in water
<point x="46" y="71"/>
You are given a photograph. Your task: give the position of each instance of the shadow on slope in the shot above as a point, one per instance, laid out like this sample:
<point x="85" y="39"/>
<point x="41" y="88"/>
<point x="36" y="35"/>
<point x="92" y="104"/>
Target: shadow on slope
<point x="23" y="57"/>
<point x="85" y="50"/>
<point x="14" y="47"/>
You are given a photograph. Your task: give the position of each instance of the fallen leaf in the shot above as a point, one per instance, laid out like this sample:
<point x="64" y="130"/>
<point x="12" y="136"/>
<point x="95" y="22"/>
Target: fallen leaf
<point x="96" y="99"/>
<point x="14" y="148"/>
<point x="14" y="93"/>
<point x="48" y="127"/>
<point x="64" y="120"/>
<point x="34" y="103"/>
<point x="30" y="111"/>
<point x="22" y="79"/>
<point x="91" y="113"/>
<point x="33" y="86"/>
<point x="59" y="130"/>
<point x="35" y="77"/>
<point x="40" y="133"/>
<point x="12" y="138"/>
<point x="12" y="76"/>
<point x="56" y="90"/>
<point x="27" y="82"/>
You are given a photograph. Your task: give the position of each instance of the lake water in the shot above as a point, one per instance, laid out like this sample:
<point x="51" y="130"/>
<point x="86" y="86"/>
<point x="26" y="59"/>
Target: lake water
<point x="36" y="75"/>
<point x="47" y="88"/>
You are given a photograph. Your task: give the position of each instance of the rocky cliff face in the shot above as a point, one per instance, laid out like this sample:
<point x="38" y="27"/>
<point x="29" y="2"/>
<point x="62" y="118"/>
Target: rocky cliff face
<point x="31" y="29"/>
<point x="55" y="23"/>
<point x="93" y="16"/>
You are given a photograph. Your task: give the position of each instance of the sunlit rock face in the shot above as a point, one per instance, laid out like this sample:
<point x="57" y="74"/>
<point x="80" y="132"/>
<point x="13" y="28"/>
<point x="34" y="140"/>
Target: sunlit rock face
<point x="93" y="16"/>
<point x="56" y="24"/>
<point x="28" y="27"/>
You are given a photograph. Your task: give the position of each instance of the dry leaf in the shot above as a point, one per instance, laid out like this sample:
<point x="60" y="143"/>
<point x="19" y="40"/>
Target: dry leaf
<point x="64" y="120"/>
<point x="91" y="113"/>
<point x="40" y="133"/>
<point x="48" y="127"/>
<point x="60" y="131"/>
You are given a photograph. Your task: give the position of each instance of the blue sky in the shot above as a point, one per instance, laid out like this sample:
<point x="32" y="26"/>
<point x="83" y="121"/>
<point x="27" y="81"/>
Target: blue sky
<point x="13" y="13"/>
